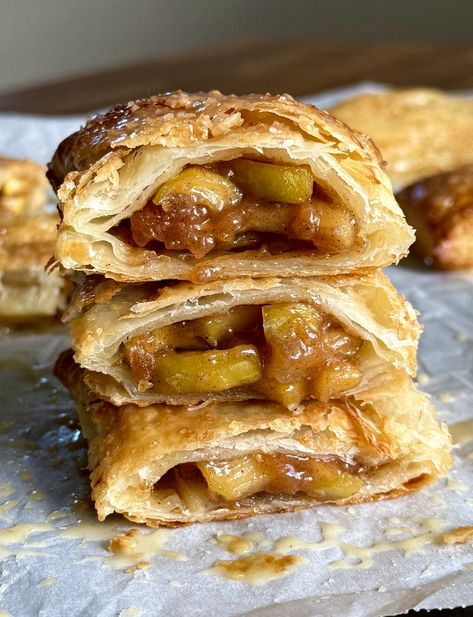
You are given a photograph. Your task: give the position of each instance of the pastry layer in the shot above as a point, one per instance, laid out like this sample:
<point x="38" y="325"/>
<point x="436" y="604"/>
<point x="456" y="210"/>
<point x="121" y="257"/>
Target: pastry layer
<point x="207" y="186"/>
<point x="419" y="132"/>
<point x="163" y="465"/>
<point x="286" y="340"/>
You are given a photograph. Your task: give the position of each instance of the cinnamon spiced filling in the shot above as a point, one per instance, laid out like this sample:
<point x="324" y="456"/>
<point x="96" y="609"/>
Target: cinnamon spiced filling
<point x="245" y="476"/>
<point x="241" y="204"/>
<point x="283" y="352"/>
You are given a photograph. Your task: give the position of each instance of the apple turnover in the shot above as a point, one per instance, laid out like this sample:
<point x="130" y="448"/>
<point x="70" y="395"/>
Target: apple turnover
<point x="22" y="187"/>
<point x="284" y="340"/>
<point x="27" y="290"/>
<point x="420" y="132"/>
<point x="205" y="186"/>
<point x="173" y="465"/>
<point x="441" y="210"/>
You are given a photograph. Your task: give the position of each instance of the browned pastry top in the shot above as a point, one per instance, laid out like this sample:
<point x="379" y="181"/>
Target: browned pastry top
<point x="180" y="119"/>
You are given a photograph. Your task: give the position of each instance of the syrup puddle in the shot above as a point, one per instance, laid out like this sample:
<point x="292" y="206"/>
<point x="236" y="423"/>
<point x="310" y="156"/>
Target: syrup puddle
<point x="455" y="485"/>
<point x="422" y="379"/>
<point x="134" y="549"/>
<point x="257" y="568"/>
<point x="130" y="612"/>
<point x="89" y="530"/>
<point x="6" y="489"/>
<point x="18" y="534"/>
<point x="461" y="432"/>
<point x="56" y="515"/>
<point x="329" y="532"/>
<point x="362" y="557"/>
<point x="238" y="545"/>
<point x="445" y="397"/>
<point x="47" y="582"/>
<point x="36" y="495"/>
<point x="438" y="500"/>
<point x="8" y="505"/>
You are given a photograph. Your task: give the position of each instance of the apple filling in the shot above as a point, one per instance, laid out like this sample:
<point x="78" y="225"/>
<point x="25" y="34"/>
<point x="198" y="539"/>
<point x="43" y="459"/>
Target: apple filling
<point x="284" y="352"/>
<point x="274" y="474"/>
<point x="241" y="204"/>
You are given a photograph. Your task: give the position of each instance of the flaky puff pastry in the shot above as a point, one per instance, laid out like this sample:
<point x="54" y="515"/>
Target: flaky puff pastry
<point x="419" y="132"/>
<point x="103" y="317"/>
<point x="441" y="210"/>
<point x="22" y="187"/>
<point x="394" y="440"/>
<point x="113" y="166"/>
<point x="27" y="291"/>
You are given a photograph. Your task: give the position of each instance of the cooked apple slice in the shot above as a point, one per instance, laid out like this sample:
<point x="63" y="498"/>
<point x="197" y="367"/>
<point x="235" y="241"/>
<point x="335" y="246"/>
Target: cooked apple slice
<point x="284" y="183"/>
<point x="207" y="371"/>
<point x="201" y="185"/>
<point x="234" y="479"/>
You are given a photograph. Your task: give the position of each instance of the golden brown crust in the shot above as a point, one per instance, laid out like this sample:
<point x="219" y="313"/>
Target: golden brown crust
<point x="110" y="169"/>
<point x="106" y="315"/>
<point x="183" y="119"/>
<point x="22" y="187"/>
<point x="130" y="448"/>
<point x="441" y="210"/>
<point x="419" y="132"/>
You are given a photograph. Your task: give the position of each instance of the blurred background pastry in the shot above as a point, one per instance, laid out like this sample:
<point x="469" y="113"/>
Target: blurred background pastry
<point x="27" y="235"/>
<point x="441" y="210"/>
<point x="420" y="132"/>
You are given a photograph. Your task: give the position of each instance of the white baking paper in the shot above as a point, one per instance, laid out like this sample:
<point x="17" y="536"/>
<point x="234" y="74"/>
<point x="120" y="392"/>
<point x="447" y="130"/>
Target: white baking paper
<point x="54" y="568"/>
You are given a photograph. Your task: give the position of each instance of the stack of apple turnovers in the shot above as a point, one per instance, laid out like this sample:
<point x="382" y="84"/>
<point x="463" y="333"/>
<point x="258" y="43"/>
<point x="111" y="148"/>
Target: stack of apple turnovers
<point x="236" y="349"/>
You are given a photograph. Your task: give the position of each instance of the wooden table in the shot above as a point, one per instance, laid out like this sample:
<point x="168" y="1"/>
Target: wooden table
<point x="295" y="67"/>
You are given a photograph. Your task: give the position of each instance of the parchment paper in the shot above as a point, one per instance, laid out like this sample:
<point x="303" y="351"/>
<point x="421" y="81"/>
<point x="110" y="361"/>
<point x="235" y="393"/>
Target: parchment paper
<point x="41" y="472"/>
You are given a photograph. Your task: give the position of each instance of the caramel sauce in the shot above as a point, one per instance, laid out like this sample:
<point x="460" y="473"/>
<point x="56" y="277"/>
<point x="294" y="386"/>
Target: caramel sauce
<point x="257" y="568"/>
